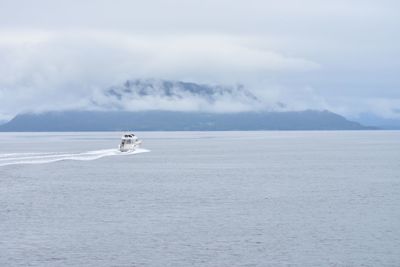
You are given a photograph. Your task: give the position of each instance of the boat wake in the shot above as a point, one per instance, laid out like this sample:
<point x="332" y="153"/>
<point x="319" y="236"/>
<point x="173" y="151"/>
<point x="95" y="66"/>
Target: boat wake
<point x="40" y="158"/>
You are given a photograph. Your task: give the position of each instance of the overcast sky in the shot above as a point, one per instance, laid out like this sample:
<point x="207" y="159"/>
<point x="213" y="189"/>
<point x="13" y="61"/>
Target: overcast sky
<point x="339" y="55"/>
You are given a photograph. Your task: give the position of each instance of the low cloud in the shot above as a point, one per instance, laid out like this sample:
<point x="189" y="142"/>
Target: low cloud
<point x="49" y="71"/>
<point x="156" y="94"/>
<point x="309" y="54"/>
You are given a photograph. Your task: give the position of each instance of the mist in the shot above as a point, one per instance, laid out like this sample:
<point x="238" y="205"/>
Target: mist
<point x="338" y="56"/>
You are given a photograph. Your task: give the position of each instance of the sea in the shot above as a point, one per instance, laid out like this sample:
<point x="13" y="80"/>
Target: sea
<point x="275" y="198"/>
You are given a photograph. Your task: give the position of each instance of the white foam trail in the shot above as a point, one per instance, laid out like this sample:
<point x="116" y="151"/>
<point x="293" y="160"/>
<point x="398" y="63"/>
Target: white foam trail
<point x="40" y="158"/>
<point x="22" y="154"/>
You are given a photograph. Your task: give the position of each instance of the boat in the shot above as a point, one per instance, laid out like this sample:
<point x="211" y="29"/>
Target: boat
<point x="129" y="142"/>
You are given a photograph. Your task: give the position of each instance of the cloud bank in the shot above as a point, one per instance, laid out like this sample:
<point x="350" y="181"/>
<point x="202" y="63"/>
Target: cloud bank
<point x="340" y="55"/>
<point x="45" y="71"/>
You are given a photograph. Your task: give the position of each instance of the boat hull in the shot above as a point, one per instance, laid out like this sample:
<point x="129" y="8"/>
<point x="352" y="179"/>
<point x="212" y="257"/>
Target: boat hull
<point x="129" y="147"/>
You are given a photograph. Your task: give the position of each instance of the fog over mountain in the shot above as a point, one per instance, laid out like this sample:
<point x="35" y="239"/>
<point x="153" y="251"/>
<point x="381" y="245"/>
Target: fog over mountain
<point x="154" y="105"/>
<point x="157" y="94"/>
<point x="339" y="55"/>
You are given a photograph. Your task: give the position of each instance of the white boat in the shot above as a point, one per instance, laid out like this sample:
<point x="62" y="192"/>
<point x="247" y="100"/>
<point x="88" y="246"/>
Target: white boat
<point x="129" y="142"/>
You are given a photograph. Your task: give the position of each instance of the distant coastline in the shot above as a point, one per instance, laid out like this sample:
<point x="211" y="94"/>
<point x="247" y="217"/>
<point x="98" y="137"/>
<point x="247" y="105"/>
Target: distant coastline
<point x="72" y="121"/>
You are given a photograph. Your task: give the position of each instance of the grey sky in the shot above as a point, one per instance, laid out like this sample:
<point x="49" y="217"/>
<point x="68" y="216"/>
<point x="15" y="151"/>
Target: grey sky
<point x="339" y="55"/>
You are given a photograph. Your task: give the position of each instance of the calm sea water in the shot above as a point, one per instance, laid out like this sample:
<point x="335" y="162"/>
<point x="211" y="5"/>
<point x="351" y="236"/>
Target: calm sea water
<point x="201" y="199"/>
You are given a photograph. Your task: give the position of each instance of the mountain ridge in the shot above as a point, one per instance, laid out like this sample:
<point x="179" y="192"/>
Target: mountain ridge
<point x="178" y="121"/>
<point x="157" y="105"/>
